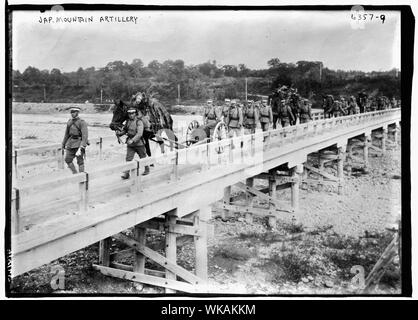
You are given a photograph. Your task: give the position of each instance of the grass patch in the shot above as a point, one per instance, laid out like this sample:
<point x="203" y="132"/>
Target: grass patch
<point x="233" y="252"/>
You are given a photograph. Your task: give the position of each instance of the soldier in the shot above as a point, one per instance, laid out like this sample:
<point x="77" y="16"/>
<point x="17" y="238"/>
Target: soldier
<point x="285" y="114"/>
<point x="234" y="120"/>
<point x="75" y="141"/>
<point x="393" y="103"/>
<point x="328" y="105"/>
<point x="266" y="115"/>
<point x="338" y="109"/>
<point x="211" y="116"/>
<point x="251" y="118"/>
<point x="305" y="111"/>
<point x="148" y="134"/>
<point x="353" y="107"/>
<point x="134" y="129"/>
<point x="373" y="105"/>
<point x="344" y="106"/>
<point x="225" y="109"/>
<point x="362" y="101"/>
<point x="294" y="100"/>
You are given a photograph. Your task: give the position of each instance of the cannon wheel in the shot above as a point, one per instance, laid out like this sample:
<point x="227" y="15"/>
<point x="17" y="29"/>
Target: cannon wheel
<point x="192" y="126"/>
<point x="219" y="133"/>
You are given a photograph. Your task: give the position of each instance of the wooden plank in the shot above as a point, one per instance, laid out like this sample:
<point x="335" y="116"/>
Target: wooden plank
<point x="109" y="170"/>
<point x="152" y="280"/>
<point x="201" y="243"/>
<point x="121" y="255"/>
<point x="50" y="184"/>
<point x="170" y="247"/>
<point x="104" y="251"/>
<point x="320" y="172"/>
<point x="260" y="211"/>
<point x="36" y="162"/>
<point x="157" y="258"/>
<point x="127" y="267"/>
<point x="139" y="258"/>
<point x="259" y="194"/>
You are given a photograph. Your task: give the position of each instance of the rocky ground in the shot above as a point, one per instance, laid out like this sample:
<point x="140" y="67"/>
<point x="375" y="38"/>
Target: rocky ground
<point x="333" y="234"/>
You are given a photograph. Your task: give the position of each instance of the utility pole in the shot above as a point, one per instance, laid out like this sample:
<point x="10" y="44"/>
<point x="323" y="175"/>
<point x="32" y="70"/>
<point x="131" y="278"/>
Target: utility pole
<point x="320" y="72"/>
<point x="44" y="94"/>
<point x="178" y="94"/>
<point x="101" y="95"/>
<point x="246" y="83"/>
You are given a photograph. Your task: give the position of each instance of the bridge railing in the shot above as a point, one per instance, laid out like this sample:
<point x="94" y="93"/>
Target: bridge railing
<point x="35" y="201"/>
<point x="51" y="153"/>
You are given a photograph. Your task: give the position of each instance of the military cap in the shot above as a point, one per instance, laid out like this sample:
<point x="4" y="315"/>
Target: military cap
<point x="75" y="109"/>
<point x="131" y="110"/>
<point x="209" y="101"/>
<point x="233" y="101"/>
<point x="227" y="100"/>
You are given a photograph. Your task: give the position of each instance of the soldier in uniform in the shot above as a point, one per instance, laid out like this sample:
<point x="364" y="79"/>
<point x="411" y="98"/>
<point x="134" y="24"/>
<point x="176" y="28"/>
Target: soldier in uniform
<point x="285" y="114"/>
<point x="353" y="107"/>
<point x="234" y="120"/>
<point x="338" y="110"/>
<point x="266" y="115"/>
<point x="344" y="106"/>
<point x="211" y="116"/>
<point x="134" y="129"/>
<point x="75" y="141"/>
<point x="225" y="109"/>
<point x="251" y="118"/>
<point x="305" y="111"/>
<point x="148" y="134"/>
<point x="294" y="100"/>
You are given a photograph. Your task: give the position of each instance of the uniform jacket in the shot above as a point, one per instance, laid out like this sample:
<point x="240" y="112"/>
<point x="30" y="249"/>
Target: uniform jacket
<point x="305" y="111"/>
<point x="235" y="118"/>
<point x="211" y="116"/>
<point x="134" y="129"/>
<point x="266" y="114"/>
<point x="285" y="112"/>
<point x="251" y="116"/>
<point x="76" y="134"/>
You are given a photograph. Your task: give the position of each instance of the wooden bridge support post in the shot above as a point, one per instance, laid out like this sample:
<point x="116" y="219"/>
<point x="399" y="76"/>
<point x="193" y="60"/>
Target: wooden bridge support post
<point x="396" y="134"/>
<point x="340" y="168"/>
<point x="321" y="167"/>
<point x="104" y="251"/>
<point x="201" y="242"/>
<point x="296" y="171"/>
<point x="170" y="245"/>
<point x="226" y="200"/>
<point x="383" y="140"/>
<point x="349" y="159"/>
<point x="272" y="193"/>
<point x="249" y="200"/>
<point x="367" y="143"/>
<point x="139" y="259"/>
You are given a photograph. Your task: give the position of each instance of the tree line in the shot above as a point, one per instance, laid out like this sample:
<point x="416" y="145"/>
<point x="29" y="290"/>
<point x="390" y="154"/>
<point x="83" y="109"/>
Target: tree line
<point x="195" y="83"/>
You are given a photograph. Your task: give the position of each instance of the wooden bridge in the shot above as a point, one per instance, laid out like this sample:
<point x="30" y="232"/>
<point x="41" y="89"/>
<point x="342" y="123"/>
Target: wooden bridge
<point x="57" y="214"/>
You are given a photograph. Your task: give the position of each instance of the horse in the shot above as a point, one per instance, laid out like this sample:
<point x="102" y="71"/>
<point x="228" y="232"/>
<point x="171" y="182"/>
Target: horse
<point x="161" y="122"/>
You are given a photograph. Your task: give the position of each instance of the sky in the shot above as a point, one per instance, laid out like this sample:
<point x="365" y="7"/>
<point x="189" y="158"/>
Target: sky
<point x="229" y="37"/>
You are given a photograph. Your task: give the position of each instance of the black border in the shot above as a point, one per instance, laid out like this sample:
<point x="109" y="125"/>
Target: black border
<point x="407" y="55"/>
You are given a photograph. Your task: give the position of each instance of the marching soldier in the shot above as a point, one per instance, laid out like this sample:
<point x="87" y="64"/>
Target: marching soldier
<point x="251" y="118"/>
<point x="344" y="106"/>
<point x="134" y="129"/>
<point x="225" y="109"/>
<point x="211" y="116"/>
<point x="353" y="107"/>
<point x="234" y="120"/>
<point x="285" y="114"/>
<point x="148" y="134"/>
<point x="337" y="110"/>
<point x="266" y="115"/>
<point x="305" y="111"/>
<point x="75" y="141"/>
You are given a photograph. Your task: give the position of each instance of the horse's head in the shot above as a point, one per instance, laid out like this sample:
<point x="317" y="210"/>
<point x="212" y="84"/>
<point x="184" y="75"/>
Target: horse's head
<point x="119" y="114"/>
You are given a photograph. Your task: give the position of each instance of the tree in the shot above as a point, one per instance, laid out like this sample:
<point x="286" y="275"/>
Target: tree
<point x="273" y="63"/>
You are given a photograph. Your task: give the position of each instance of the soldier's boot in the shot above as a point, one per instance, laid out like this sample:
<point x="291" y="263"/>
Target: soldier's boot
<point x="81" y="168"/>
<point x="146" y="171"/>
<point x="72" y="167"/>
<point x="125" y="175"/>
